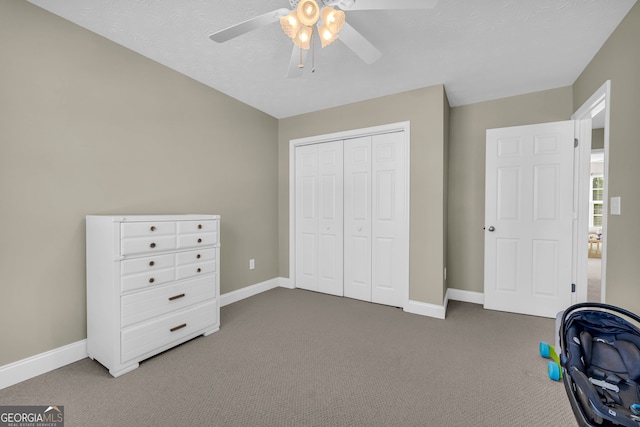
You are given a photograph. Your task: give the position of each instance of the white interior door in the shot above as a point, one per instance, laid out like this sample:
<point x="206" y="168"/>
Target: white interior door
<point x="319" y="207"/>
<point x="529" y="218"/>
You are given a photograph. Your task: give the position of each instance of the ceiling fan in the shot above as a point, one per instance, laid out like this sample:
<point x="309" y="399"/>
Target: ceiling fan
<point x="329" y="18"/>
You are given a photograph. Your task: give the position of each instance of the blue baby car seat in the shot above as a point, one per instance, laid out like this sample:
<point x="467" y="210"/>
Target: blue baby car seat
<point x="601" y="361"/>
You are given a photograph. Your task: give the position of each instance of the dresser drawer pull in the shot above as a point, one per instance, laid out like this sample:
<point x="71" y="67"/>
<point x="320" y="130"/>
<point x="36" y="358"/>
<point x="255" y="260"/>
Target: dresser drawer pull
<point x="198" y="256"/>
<point x="176" y="297"/>
<point x="199" y="240"/>
<point x="151" y="280"/>
<point x="151" y="263"/>
<point x="199" y="226"/>
<point x="153" y="245"/>
<point x="153" y="228"/>
<point x="175" y="328"/>
<point x="199" y="270"/>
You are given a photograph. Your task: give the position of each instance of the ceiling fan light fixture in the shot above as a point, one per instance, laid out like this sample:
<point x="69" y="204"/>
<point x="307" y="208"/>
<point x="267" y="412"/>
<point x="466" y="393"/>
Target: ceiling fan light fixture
<point x="308" y="12"/>
<point x="333" y="19"/>
<point x="290" y="24"/>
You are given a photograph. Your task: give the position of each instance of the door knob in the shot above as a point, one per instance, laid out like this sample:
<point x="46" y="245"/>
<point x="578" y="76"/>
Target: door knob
<point x="492" y="228"/>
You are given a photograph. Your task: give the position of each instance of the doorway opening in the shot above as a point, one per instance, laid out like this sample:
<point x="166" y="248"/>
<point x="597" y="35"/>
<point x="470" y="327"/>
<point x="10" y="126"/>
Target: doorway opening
<point x="591" y="264"/>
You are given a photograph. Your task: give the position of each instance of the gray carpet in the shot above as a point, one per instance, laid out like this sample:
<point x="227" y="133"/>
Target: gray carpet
<point x="594" y="284"/>
<point x="297" y="358"/>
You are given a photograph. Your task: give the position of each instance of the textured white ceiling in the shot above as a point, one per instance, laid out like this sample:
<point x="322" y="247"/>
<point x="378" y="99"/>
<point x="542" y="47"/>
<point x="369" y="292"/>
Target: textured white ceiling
<point x="480" y="50"/>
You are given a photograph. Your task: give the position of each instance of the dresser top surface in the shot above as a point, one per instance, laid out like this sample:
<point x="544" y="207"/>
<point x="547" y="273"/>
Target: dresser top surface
<point x="134" y="218"/>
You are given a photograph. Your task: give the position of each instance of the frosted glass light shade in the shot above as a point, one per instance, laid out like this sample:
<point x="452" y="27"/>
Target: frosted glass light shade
<point x="326" y="36"/>
<point x="290" y="24"/>
<point x="333" y="19"/>
<point x="308" y="12"/>
<point x="303" y="38"/>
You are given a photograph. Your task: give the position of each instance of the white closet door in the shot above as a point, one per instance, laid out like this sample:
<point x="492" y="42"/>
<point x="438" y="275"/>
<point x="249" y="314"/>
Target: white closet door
<point x="306" y="217"/>
<point x="357" y="218"/>
<point x="389" y="217"/>
<point x="319" y="233"/>
<point x="330" y="232"/>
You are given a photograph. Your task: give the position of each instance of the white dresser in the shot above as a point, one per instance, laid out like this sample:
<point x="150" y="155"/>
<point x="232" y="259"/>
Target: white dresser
<point x="153" y="281"/>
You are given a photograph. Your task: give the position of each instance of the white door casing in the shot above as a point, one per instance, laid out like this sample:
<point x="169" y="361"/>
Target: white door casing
<point x="529" y="218"/>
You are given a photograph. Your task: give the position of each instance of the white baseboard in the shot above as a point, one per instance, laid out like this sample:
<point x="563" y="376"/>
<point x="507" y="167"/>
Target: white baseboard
<point x="465" y="296"/>
<point x="249" y="291"/>
<point x="285" y="282"/>
<point x="440" y="311"/>
<point x="425" y="309"/>
<point x="33" y="366"/>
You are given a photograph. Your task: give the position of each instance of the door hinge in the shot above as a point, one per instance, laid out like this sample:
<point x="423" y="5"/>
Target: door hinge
<point x="575" y="142"/>
<point x="573" y="287"/>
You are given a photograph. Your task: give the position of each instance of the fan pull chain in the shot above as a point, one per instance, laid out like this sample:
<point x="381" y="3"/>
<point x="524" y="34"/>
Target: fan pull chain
<point x="300" y="65"/>
<point x="313" y="54"/>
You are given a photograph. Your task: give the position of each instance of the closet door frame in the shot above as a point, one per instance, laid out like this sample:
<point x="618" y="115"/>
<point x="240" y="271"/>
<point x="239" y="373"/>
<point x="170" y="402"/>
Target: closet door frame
<point x="370" y="131"/>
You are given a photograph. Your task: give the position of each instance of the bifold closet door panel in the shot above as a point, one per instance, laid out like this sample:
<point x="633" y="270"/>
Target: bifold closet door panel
<point x="306" y="217"/>
<point x="357" y="218"/>
<point x="330" y="219"/>
<point x="319" y="216"/>
<point x="388" y="227"/>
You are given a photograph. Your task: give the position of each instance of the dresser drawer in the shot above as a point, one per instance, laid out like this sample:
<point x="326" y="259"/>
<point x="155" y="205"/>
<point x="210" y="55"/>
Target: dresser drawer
<point x="197" y="227"/>
<point x="190" y="257"/>
<point x="195" y="240"/>
<point x="147" y="304"/>
<point x="193" y="270"/>
<point x="148" y="279"/>
<point x="147" y="337"/>
<point x="147" y="264"/>
<point x="147" y="229"/>
<point x="144" y="245"/>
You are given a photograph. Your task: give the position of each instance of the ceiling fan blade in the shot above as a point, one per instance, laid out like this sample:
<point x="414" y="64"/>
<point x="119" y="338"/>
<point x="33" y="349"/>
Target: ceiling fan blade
<point x="295" y="70"/>
<point x="358" y="44"/>
<point x="248" y="25"/>
<point x="389" y="4"/>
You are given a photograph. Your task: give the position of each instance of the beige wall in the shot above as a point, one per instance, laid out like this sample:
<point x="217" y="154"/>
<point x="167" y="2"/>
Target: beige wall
<point x="89" y="127"/>
<point x="424" y="109"/>
<point x="468" y="125"/>
<point x="619" y="61"/>
<point x="597" y="139"/>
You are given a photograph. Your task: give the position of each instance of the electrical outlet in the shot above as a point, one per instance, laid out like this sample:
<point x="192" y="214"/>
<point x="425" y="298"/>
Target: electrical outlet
<point x="252" y="264"/>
